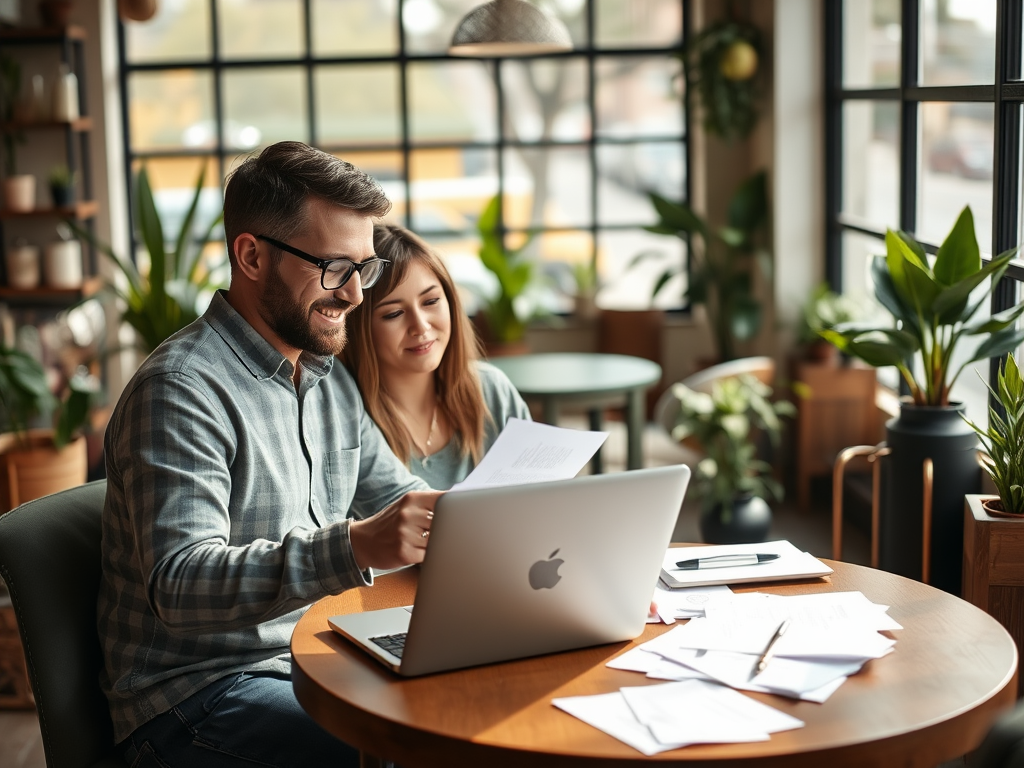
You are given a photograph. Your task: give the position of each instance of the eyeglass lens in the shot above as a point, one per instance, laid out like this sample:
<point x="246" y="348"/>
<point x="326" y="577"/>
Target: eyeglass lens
<point x="338" y="272"/>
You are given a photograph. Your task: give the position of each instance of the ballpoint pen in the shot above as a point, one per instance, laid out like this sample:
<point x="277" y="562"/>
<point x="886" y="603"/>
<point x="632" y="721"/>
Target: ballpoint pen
<point x="769" y="650"/>
<point x="725" y="561"/>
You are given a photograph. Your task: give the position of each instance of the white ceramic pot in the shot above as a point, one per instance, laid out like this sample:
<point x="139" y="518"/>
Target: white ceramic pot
<point x="62" y="264"/>
<point x="22" y="262"/>
<point x="20" y="193"/>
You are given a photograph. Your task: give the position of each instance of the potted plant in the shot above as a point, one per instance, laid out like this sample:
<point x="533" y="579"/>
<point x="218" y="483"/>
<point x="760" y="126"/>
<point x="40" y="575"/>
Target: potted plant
<point x="19" y="189"/>
<point x="62" y="186"/>
<point x="722" y="261"/>
<point x="824" y="310"/>
<point x="173" y="291"/>
<point x="933" y="304"/>
<point x="731" y="481"/>
<point x="720" y="64"/>
<point x="504" y="313"/>
<point x="39" y="461"/>
<point x="1004" y="443"/>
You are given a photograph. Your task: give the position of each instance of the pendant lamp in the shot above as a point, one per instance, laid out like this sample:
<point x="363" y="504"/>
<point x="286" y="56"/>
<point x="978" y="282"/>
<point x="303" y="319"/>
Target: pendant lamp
<point x="503" y="28"/>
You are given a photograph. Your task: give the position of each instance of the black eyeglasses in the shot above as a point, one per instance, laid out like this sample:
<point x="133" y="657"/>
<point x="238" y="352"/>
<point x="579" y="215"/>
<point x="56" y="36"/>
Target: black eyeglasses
<point x="334" y="273"/>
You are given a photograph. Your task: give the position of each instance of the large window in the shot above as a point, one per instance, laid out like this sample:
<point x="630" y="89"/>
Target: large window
<point x="924" y="117"/>
<point x="572" y="142"/>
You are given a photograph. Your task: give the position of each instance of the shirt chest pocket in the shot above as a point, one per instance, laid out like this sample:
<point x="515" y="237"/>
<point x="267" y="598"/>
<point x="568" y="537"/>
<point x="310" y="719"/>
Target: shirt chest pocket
<point x="339" y="474"/>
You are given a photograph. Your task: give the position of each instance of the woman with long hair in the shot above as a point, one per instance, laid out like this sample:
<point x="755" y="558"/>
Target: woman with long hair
<point x="416" y="359"/>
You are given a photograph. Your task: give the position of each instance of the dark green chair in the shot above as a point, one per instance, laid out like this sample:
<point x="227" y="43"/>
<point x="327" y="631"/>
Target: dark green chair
<point x="50" y="560"/>
<point x="1003" y="746"/>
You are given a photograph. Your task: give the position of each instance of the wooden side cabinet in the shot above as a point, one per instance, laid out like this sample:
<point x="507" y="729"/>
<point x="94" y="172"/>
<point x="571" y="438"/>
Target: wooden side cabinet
<point x="994" y="568"/>
<point x="838" y="411"/>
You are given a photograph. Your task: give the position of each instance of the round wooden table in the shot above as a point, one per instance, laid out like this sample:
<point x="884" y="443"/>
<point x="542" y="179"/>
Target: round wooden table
<point x="953" y="671"/>
<point x="586" y="380"/>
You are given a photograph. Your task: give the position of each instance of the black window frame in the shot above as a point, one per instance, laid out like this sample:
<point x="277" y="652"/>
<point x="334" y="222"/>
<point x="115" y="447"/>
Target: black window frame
<point x="406" y="146"/>
<point x="1007" y="97"/>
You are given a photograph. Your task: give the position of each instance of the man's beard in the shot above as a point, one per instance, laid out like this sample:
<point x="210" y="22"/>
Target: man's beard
<point x="292" y="322"/>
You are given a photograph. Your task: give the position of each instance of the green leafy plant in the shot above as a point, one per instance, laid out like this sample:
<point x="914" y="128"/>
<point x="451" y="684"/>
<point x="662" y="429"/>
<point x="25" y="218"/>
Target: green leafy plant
<point x="25" y="395"/>
<point x="61" y="176"/>
<point x="507" y="311"/>
<point x="723" y="423"/>
<point x="1004" y="438"/>
<point x="825" y="309"/>
<point x="722" y="261"/>
<point x="933" y="305"/>
<point x="10" y="88"/>
<point x="164" y="299"/>
<point x="720" y="65"/>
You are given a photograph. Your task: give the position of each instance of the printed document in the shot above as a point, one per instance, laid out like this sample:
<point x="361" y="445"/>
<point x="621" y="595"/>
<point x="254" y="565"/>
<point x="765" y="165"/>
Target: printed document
<point x="531" y="452"/>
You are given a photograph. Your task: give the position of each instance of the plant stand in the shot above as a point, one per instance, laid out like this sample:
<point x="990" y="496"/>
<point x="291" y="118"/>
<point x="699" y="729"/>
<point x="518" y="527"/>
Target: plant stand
<point x="993" y="568"/>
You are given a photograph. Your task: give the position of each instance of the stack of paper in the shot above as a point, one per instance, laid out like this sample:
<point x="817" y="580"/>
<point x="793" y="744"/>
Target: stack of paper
<point x="789" y="563"/>
<point x="657" y="718"/>
<point x="830" y="636"/>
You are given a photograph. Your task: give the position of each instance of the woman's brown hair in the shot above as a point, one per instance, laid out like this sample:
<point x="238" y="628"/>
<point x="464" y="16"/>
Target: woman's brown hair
<point x="459" y="395"/>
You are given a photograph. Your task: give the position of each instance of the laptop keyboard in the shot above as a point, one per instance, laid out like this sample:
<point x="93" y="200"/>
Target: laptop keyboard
<point x="393" y="644"/>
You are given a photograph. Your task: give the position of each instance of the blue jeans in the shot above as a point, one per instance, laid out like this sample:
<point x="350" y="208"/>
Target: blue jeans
<point x="240" y="720"/>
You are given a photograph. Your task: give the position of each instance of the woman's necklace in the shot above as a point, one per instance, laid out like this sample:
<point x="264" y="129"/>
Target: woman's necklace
<point x="433" y="426"/>
<point x="425" y="450"/>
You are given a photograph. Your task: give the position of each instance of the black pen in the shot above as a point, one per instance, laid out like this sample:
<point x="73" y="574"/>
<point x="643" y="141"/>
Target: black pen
<point x="724" y="561"/>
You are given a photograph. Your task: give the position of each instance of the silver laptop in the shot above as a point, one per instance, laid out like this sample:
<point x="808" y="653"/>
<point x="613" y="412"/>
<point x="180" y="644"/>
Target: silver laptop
<point x="523" y="570"/>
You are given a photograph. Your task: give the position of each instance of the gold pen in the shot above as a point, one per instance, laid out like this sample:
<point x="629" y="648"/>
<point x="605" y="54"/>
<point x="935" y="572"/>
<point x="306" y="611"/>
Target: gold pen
<point x="769" y="651"/>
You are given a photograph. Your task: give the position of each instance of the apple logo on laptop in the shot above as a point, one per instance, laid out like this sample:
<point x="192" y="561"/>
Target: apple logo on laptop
<point x="544" y="573"/>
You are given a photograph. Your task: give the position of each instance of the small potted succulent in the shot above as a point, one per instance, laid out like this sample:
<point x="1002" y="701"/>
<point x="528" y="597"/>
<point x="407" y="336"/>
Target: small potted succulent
<point x="1004" y="443"/>
<point x="62" y="186"/>
<point x="732" y="481"/>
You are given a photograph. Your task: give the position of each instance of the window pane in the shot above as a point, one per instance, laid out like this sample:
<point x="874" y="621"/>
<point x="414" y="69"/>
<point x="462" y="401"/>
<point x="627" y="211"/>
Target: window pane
<point x="623" y="287"/>
<point x="858" y="251"/>
<point x="173" y="181"/>
<point x="354" y="27"/>
<point x="638" y="97"/>
<point x="958" y="44"/>
<point x="269" y="101"/>
<point x="559" y="253"/>
<point x="627" y="172"/>
<point x="177" y="31"/>
<point x="171" y="109"/>
<point x="546" y="99"/>
<point x="871" y="161"/>
<point x="357" y="104"/>
<point x="637" y="23"/>
<point x="956" y="169"/>
<point x="451" y="101"/>
<point x="451" y="187"/>
<point x="556" y="177"/>
<point x="260" y="29"/>
<point x="871" y="43"/>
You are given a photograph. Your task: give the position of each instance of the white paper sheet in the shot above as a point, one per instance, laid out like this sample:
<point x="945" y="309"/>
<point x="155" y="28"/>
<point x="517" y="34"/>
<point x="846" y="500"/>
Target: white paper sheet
<point x="531" y="452"/>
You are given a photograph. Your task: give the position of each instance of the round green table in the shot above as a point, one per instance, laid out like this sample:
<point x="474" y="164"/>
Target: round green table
<point x="590" y="381"/>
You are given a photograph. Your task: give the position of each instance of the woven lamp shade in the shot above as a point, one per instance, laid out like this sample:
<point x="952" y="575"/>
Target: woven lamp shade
<point x="503" y="28"/>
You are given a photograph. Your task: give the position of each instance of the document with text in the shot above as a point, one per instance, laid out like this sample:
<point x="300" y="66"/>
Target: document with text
<point x="531" y="452"/>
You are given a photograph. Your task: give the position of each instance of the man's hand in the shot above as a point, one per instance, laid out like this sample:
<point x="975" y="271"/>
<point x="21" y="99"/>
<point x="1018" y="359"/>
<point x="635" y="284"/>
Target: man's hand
<point x="397" y="535"/>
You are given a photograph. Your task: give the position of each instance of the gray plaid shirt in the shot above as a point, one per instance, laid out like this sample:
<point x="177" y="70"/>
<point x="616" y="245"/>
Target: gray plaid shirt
<point x="226" y="512"/>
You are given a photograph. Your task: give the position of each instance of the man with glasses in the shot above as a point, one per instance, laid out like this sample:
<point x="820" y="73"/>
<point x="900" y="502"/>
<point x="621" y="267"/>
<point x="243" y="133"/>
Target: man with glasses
<point x="245" y="481"/>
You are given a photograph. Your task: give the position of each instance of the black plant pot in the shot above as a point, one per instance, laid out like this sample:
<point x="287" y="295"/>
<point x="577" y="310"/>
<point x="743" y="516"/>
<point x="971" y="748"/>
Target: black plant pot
<point x="939" y="433"/>
<point x="63" y="197"/>
<point x="749" y="522"/>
